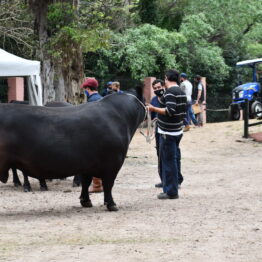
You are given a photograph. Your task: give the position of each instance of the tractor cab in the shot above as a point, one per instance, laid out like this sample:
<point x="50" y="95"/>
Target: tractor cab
<point x="251" y="90"/>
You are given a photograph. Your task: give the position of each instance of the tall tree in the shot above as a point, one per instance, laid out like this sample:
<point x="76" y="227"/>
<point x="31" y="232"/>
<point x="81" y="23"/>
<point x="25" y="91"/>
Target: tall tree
<point x="61" y="78"/>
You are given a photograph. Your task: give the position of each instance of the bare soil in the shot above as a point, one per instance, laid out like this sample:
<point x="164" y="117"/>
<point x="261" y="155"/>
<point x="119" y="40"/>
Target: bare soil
<point x="218" y="216"/>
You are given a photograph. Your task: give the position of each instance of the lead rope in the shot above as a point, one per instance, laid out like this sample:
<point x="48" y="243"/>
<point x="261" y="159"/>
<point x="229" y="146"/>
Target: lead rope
<point x="150" y="128"/>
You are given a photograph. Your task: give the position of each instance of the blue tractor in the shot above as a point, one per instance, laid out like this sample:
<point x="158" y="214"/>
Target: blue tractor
<point x="251" y="91"/>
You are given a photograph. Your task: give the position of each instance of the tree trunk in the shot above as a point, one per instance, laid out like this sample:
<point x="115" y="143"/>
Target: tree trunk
<point x="59" y="83"/>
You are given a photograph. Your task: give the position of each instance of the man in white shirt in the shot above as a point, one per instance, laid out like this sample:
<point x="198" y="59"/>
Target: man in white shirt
<point x="187" y="87"/>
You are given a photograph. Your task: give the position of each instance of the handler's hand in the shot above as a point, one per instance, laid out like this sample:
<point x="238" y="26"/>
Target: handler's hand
<point x="150" y="107"/>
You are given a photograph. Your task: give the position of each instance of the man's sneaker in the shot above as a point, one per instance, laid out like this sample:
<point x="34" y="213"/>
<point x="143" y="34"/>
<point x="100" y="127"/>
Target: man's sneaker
<point x="159" y="185"/>
<point x="166" y="196"/>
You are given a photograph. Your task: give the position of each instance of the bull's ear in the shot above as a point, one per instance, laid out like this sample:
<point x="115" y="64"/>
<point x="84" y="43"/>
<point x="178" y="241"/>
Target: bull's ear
<point x="4" y="177"/>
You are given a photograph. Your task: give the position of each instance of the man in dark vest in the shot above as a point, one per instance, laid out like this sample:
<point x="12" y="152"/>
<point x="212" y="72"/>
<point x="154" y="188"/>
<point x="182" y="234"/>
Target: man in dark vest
<point x="170" y="117"/>
<point x="198" y="97"/>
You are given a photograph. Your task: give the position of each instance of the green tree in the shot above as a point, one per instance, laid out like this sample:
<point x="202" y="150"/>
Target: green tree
<point x="66" y="29"/>
<point x="198" y="55"/>
<point x="147" y="10"/>
<point x="140" y="52"/>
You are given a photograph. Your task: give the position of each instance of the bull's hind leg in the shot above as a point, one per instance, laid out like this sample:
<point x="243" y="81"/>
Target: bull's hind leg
<point x="84" y="197"/>
<point x="16" y="180"/>
<point x="108" y="199"/>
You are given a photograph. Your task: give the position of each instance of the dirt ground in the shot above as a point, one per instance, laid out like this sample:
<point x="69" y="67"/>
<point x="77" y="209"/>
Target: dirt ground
<point x="218" y="216"/>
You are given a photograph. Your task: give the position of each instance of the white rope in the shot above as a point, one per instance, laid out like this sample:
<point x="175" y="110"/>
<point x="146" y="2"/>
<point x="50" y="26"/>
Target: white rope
<point x="150" y="128"/>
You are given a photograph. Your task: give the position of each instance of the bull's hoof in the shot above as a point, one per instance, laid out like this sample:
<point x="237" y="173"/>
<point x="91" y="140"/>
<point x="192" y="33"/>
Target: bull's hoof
<point x="43" y="188"/>
<point x="17" y="184"/>
<point x="85" y="203"/>
<point x="76" y="184"/>
<point x="112" y="208"/>
<point x="27" y="189"/>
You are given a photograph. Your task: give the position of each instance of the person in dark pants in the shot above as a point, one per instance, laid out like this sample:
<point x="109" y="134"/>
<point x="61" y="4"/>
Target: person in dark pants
<point x="170" y="118"/>
<point x="158" y="86"/>
<point x="90" y="86"/>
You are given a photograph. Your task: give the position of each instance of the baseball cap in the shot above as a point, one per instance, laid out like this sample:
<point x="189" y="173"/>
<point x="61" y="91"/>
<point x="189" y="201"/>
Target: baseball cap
<point x="183" y="75"/>
<point x="109" y="83"/>
<point x="90" y="82"/>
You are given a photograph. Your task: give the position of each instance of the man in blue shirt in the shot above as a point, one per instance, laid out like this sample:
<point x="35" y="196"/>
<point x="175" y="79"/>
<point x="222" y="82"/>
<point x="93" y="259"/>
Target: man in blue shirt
<point x="116" y="88"/>
<point x="158" y="86"/>
<point x="108" y="88"/>
<point x="91" y="86"/>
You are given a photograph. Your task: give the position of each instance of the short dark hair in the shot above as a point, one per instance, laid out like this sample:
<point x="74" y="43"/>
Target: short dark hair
<point x="198" y="77"/>
<point x="158" y="81"/>
<point x="172" y="75"/>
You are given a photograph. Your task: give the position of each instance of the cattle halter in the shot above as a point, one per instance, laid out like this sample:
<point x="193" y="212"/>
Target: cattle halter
<point x="150" y="127"/>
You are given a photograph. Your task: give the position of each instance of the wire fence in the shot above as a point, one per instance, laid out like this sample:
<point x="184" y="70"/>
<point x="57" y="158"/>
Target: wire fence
<point x="217" y="108"/>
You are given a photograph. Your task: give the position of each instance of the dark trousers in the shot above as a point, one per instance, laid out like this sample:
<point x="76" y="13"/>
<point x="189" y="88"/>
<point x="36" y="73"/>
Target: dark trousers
<point x="170" y="157"/>
<point x="157" y="137"/>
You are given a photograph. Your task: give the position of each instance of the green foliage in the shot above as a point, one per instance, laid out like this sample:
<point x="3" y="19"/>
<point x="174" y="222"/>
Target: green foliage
<point x="171" y="13"/>
<point x="253" y="42"/>
<point x="147" y="10"/>
<point x="60" y="15"/>
<point x="217" y="36"/>
<point x="198" y="56"/>
<point x="117" y="39"/>
<point x="70" y="29"/>
<point x="140" y="52"/>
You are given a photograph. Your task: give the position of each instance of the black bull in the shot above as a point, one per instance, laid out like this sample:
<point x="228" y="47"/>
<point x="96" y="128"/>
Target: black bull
<point x="90" y="139"/>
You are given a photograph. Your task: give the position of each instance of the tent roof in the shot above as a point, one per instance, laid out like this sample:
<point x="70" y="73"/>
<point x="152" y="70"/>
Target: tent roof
<point x="12" y="65"/>
<point x="249" y="62"/>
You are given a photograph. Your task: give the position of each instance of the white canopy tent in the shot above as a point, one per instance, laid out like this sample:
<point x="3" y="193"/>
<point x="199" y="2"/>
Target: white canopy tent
<point x="14" y="66"/>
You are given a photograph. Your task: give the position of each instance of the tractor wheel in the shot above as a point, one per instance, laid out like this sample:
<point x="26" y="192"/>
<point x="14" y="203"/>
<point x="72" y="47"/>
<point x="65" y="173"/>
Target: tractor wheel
<point x="234" y="113"/>
<point x="256" y="107"/>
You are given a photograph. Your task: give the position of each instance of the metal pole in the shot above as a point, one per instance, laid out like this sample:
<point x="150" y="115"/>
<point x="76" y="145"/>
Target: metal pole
<point x="246" y="118"/>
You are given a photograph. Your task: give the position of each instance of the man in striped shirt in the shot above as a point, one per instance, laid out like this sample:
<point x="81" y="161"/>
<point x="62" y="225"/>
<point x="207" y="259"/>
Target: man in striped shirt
<point x="170" y="118"/>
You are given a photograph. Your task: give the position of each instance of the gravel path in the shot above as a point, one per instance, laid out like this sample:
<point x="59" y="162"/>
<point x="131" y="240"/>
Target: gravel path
<point x="217" y="218"/>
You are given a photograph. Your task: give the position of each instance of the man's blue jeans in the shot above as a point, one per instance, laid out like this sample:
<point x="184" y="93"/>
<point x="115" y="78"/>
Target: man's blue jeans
<point x="190" y="115"/>
<point x="170" y="157"/>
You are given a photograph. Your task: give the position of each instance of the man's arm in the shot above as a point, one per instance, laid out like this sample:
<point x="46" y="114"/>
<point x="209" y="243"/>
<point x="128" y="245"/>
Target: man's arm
<point x="161" y="111"/>
<point x="200" y="89"/>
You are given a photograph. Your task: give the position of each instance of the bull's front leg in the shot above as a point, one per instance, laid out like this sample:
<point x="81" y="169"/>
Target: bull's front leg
<point x="43" y="185"/>
<point x="84" y="197"/>
<point x="27" y="186"/>
<point x="108" y="198"/>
